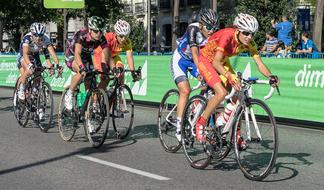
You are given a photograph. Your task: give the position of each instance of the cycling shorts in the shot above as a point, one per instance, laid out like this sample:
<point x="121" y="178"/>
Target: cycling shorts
<point x="209" y="73"/>
<point x="34" y="59"/>
<point x="179" y="67"/>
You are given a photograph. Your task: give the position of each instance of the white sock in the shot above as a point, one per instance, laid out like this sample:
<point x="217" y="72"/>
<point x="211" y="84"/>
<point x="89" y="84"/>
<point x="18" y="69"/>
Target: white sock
<point x="69" y="92"/>
<point x="178" y="124"/>
<point x="21" y="87"/>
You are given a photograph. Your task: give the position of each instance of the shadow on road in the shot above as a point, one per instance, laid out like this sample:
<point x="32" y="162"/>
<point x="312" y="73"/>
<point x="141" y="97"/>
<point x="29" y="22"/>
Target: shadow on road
<point x="144" y="131"/>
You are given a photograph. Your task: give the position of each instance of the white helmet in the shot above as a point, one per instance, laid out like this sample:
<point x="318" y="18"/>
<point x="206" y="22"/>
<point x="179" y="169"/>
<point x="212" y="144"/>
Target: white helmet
<point x="122" y="28"/>
<point x="246" y="22"/>
<point x="37" y="29"/>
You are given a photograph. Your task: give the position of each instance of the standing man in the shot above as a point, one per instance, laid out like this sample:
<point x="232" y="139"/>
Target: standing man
<point x="284" y="30"/>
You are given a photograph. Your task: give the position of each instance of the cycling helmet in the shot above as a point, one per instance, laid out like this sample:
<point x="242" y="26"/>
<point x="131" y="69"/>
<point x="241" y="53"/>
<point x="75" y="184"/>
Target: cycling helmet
<point x="96" y="23"/>
<point x="37" y="29"/>
<point x="246" y="22"/>
<point x="208" y="17"/>
<point x="122" y="28"/>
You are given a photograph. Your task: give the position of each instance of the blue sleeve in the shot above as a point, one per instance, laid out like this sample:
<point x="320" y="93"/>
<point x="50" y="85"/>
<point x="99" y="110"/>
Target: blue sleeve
<point x="278" y="26"/>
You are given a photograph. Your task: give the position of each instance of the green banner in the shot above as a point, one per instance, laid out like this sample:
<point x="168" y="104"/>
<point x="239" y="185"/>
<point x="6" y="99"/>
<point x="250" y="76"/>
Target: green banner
<point x="58" y="4"/>
<point x="301" y="82"/>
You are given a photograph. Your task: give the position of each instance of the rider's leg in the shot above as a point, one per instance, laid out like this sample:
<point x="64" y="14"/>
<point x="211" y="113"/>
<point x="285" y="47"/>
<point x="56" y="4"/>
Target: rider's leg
<point x="75" y="81"/>
<point x="184" y="91"/>
<point x="25" y="73"/>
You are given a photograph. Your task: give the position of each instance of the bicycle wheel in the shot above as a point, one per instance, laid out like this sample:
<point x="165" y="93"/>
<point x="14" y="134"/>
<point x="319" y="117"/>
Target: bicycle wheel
<point x="67" y="120"/>
<point x="96" y="117"/>
<point x="44" y="112"/>
<point x="167" y="120"/>
<point x="197" y="153"/>
<point x="123" y="112"/>
<point x="256" y="129"/>
<point x="19" y="108"/>
<point x="219" y="142"/>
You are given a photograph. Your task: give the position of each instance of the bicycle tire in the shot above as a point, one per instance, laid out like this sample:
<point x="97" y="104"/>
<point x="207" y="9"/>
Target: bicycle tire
<point x="123" y="118"/>
<point x="258" y="156"/>
<point x="67" y="120"/>
<point x="19" y="108"/>
<point x="47" y="95"/>
<point x="97" y="115"/>
<point x="167" y="126"/>
<point x="196" y="153"/>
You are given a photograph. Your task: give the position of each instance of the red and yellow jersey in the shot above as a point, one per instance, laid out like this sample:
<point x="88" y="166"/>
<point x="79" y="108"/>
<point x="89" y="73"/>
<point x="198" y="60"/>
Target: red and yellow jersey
<point x="114" y="47"/>
<point x="226" y="40"/>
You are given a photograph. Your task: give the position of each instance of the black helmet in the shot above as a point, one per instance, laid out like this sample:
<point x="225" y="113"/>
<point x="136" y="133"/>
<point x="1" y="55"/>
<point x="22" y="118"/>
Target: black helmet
<point x="96" y="23"/>
<point x="209" y="17"/>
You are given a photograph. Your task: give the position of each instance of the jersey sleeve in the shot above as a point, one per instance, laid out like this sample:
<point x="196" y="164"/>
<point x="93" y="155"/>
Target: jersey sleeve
<point x="223" y="42"/>
<point x="103" y="42"/>
<point x="192" y="35"/>
<point x="26" y="40"/>
<point x="253" y="49"/>
<point x="47" y="41"/>
<point x="128" y="46"/>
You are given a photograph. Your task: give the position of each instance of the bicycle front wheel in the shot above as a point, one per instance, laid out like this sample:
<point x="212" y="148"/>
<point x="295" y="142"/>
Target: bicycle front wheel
<point x="67" y="120"/>
<point x="123" y="112"/>
<point x="256" y="138"/>
<point x="45" y="107"/>
<point x="96" y="117"/>
<point x="197" y="153"/>
<point x="19" y="108"/>
<point x="167" y="120"/>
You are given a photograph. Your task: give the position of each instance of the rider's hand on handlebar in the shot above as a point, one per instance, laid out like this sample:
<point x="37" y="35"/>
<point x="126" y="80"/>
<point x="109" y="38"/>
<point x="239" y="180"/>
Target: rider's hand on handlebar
<point x="274" y="80"/>
<point x="117" y="71"/>
<point x="82" y="69"/>
<point x="136" y="76"/>
<point x="234" y="81"/>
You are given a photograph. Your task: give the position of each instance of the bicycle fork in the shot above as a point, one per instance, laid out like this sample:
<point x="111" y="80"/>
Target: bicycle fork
<point x="256" y="127"/>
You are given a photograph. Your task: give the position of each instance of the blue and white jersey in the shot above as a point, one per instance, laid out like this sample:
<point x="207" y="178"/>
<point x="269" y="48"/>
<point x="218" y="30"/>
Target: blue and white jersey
<point x="34" y="48"/>
<point x="192" y="37"/>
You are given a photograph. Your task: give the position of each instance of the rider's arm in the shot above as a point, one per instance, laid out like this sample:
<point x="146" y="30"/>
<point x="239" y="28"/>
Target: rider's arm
<point x="261" y="66"/>
<point x="107" y="58"/>
<point x="195" y="54"/>
<point x="130" y="60"/>
<point x="217" y="63"/>
<point x="25" y="53"/>
<point x="77" y="54"/>
<point x="53" y="54"/>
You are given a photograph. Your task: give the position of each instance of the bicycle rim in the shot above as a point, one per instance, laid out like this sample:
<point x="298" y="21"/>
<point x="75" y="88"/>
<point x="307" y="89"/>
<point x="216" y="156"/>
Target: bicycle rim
<point x="96" y="118"/>
<point x="19" y="108"/>
<point x="257" y="158"/>
<point x="67" y="120"/>
<point x="45" y="107"/>
<point x="196" y="153"/>
<point x="167" y="120"/>
<point x="123" y="112"/>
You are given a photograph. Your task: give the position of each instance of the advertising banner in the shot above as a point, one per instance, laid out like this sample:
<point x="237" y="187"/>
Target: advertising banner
<point x="301" y="82"/>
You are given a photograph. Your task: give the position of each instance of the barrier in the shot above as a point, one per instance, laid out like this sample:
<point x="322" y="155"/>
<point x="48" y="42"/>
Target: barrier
<point x="301" y="86"/>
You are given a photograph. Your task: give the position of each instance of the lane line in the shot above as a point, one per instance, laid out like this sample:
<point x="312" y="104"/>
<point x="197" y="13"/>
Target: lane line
<point x="125" y="168"/>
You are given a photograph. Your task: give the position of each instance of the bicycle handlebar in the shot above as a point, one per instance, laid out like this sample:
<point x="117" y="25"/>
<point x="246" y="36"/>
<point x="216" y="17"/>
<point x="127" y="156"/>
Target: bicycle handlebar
<point x="255" y="81"/>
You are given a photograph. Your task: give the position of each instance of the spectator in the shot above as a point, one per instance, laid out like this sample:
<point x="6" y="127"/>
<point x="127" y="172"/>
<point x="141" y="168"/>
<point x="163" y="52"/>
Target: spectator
<point x="307" y="45"/>
<point x="284" y="30"/>
<point x="271" y="44"/>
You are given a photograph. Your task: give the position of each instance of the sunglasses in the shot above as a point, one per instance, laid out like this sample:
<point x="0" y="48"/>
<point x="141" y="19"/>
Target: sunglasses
<point x="211" y="28"/>
<point x="245" y="33"/>
<point x="96" y="31"/>
<point x="122" y="36"/>
<point x="38" y="35"/>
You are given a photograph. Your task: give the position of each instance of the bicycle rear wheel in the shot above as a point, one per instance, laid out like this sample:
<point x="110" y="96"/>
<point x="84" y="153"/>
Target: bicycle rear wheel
<point x="67" y="120"/>
<point x="45" y="107"/>
<point x="257" y="140"/>
<point x="167" y="120"/>
<point x="19" y="108"/>
<point x="197" y="153"/>
<point x="123" y="112"/>
<point x="96" y="117"/>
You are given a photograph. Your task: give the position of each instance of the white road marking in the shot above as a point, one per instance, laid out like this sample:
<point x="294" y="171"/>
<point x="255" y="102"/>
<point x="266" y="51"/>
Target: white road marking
<point x="125" y="168"/>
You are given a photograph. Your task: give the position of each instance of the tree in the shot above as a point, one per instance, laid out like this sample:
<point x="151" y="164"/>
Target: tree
<point x="318" y="24"/>
<point x="263" y="10"/>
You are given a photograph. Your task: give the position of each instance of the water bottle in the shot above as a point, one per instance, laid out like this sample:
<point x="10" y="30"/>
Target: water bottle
<point x="229" y="110"/>
<point x="81" y="98"/>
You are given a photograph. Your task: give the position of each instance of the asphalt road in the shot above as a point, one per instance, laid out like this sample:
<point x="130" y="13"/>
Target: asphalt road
<point x="33" y="160"/>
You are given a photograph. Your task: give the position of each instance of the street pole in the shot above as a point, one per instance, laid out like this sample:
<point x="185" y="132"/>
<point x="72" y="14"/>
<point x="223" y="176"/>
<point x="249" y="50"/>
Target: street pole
<point x="213" y="4"/>
<point x="64" y="28"/>
<point x="318" y="24"/>
<point x="148" y="27"/>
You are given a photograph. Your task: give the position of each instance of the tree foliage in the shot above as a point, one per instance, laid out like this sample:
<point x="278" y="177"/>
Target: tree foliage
<point x="263" y="10"/>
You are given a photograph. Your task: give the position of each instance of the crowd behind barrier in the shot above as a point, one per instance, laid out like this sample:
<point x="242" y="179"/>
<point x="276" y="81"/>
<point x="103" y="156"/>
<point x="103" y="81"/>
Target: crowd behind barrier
<point x="315" y="55"/>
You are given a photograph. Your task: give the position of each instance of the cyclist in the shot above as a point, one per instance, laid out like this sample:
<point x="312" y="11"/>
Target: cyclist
<point x="118" y="41"/>
<point x="78" y="54"/>
<point x="186" y="56"/>
<point x="216" y="69"/>
<point x="33" y="44"/>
